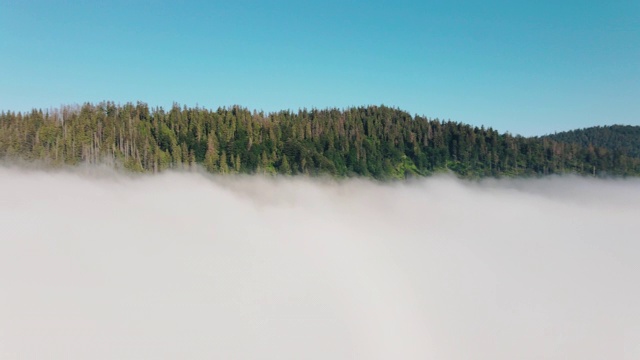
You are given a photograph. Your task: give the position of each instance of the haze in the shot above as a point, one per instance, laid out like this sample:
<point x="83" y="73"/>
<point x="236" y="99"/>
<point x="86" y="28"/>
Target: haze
<point x="98" y="265"/>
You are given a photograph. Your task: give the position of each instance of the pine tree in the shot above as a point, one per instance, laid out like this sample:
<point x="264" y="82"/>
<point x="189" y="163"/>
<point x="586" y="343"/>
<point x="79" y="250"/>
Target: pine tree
<point x="211" y="157"/>
<point x="285" y="168"/>
<point x="224" y="167"/>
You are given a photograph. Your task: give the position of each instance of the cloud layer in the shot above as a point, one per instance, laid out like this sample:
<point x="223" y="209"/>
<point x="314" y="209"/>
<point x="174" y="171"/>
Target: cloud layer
<point x="104" y="266"/>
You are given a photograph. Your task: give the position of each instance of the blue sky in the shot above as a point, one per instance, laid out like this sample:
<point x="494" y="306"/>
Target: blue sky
<point x="528" y="67"/>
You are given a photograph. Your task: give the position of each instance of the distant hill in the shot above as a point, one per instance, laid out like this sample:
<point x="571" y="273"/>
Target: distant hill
<point x="374" y="141"/>
<point x="622" y="138"/>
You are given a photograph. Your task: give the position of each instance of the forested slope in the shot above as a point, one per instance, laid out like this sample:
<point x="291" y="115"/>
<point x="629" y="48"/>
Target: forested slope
<point x="622" y="138"/>
<point x="375" y="141"/>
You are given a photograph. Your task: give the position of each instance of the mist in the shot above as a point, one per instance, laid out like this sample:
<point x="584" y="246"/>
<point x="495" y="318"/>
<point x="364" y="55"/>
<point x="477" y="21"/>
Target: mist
<point x="99" y="265"/>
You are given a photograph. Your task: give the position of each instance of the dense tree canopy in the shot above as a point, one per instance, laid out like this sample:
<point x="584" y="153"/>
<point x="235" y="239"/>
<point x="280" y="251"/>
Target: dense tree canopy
<point x="621" y="138"/>
<point x="376" y="141"/>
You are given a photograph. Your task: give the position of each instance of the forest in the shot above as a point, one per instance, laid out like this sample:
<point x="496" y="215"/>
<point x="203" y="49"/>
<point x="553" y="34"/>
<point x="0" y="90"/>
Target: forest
<point x="378" y="142"/>
<point x="622" y="138"/>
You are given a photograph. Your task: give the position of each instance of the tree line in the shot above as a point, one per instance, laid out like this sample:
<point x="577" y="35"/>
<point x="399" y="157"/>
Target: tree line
<point x="621" y="138"/>
<point x="374" y="141"/>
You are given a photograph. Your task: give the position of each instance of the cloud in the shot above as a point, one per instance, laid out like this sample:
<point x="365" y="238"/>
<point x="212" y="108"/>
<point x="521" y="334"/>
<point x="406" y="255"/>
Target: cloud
<point x="99" y="265"/>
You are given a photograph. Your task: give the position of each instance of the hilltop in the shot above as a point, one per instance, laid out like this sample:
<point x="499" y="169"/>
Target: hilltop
<point x="374" y="141"/>
<point x="622" y="138"/>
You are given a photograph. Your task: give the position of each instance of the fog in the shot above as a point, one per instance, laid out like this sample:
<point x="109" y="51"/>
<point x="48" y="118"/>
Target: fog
<point x="100" y="265"/>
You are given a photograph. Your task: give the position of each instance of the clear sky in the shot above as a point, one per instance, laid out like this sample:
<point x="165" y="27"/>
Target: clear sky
<point x="528" y="67"/>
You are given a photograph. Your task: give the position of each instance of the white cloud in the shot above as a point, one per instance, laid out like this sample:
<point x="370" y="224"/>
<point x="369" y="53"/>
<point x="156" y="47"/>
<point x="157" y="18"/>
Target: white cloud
<point x="188" y="266"/>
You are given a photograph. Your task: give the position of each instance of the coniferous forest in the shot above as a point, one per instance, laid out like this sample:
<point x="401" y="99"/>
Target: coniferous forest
<point x="375" y="141"/>
<point x="621" y="138"/>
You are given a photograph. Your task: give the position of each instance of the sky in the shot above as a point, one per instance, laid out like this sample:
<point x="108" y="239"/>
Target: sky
<point x="193" y="266"/>
<point x="528" y="67"/>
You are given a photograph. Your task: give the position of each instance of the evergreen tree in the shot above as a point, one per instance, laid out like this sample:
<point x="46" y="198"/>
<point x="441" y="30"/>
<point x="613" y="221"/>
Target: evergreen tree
<point x="211" y="157"/>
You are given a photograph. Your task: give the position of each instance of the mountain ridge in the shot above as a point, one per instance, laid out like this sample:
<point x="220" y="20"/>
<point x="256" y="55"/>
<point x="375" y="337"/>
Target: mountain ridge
<point x="379" y="142"/>
<point x="618" y="137"/>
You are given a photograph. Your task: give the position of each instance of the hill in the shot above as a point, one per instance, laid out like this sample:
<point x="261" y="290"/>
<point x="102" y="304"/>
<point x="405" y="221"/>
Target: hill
<point x="376" y="141"/>
<point x="622" y="138"/>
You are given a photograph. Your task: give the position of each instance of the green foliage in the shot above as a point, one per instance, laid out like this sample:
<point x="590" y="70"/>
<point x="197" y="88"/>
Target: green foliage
<point x="375" y="141"/>
<point x="621" y="138"/>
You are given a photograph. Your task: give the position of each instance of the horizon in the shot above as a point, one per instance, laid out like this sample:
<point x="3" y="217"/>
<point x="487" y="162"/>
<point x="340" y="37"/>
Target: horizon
<point x="267" y="113"/>
<point x="529" y="69"/>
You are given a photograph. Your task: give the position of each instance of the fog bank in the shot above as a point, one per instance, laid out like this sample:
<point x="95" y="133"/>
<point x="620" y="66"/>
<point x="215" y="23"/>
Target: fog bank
<point x="188" y="266"/>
